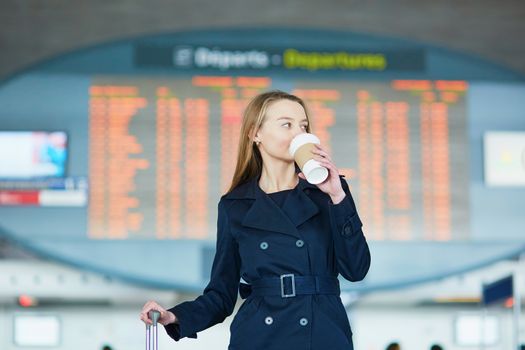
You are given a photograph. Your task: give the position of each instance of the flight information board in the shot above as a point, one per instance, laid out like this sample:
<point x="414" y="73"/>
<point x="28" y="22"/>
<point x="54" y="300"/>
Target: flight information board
<point x="163" y="150"/>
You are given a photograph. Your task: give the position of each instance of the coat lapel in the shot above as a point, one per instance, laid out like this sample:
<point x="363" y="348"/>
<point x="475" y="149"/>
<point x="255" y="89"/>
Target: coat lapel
<point x="265" y="214"/>
<point x="298" y="206"/>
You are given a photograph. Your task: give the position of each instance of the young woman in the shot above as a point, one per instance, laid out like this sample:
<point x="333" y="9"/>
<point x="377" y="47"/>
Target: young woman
<point x="287" y="239"/>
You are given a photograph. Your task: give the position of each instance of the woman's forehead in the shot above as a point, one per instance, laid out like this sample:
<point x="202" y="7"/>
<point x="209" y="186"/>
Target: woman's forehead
<point x="286" y="109"/>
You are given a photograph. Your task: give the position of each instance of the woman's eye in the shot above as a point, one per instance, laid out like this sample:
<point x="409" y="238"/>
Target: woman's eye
<point x="304" y="126"/>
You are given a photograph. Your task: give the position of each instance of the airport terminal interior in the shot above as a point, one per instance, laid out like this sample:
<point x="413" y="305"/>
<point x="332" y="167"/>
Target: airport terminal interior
<point x="120" y="123"/>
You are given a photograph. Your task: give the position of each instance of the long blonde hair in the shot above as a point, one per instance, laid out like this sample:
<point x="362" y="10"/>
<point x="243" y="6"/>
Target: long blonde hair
<point x="249" y="160"/>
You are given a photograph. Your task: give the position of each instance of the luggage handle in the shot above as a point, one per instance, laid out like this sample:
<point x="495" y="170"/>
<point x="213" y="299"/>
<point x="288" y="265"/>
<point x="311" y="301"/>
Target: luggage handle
<point x="152" y="337"/>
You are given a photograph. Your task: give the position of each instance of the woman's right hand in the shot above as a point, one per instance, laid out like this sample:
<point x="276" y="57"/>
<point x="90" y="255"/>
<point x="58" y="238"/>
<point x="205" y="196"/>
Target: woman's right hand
<point x="166" y="317"/>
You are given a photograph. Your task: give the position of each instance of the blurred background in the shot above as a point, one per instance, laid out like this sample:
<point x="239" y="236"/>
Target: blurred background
<point x="119" y="123"/>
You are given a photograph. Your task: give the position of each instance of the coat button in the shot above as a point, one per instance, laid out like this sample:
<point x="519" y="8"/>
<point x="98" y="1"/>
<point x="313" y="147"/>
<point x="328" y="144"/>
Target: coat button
<point x="307" y="191"/>
<point x="268" y="320"/>
<point x="263" y="245"/>
<point x="303" y="321"/>
<point x="348" y="230"/>
<point x="299" y="243"/>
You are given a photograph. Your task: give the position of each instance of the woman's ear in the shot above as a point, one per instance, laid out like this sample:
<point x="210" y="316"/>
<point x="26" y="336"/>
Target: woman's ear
<point x="253" y="136"/>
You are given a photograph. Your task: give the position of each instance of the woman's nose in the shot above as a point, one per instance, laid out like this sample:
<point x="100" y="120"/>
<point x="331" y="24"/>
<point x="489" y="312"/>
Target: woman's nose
<point x="298" y="131"/>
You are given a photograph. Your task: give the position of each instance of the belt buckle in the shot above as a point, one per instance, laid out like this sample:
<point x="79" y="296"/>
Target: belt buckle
<point x="283" y="294"/>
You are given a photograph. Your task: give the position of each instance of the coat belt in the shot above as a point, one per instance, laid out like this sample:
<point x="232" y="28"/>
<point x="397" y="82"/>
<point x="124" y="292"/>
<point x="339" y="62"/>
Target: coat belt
<point x="290" y="285"/>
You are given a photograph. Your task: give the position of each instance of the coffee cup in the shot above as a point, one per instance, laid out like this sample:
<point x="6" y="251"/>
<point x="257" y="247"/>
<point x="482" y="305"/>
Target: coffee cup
<point x="301" y="149"/>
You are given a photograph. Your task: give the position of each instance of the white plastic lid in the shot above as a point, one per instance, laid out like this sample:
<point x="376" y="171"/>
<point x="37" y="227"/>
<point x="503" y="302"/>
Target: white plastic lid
<point x="300" y="140"/>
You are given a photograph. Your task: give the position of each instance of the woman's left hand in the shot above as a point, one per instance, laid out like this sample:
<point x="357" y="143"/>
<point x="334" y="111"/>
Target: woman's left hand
<point x="332" y="184"/>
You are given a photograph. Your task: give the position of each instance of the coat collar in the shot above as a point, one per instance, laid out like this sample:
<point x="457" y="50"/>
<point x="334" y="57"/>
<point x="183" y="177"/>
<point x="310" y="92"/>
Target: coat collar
<point x="251" y="190"/>
<point x="265" y="214"/>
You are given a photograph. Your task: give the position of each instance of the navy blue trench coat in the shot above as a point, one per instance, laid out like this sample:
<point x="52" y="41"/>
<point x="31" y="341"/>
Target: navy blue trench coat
<point x="257" y="239"/>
